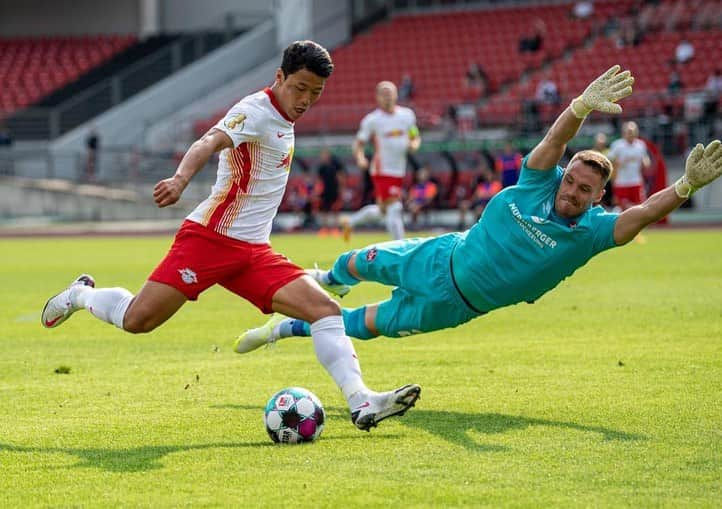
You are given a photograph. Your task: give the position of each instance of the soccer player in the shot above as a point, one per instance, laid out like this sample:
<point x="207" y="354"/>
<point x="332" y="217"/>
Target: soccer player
<point x="392" y="130"/>
<point x="531" y="237"/>
<point x="225" y="240"/>
<point x="630" y="158"/>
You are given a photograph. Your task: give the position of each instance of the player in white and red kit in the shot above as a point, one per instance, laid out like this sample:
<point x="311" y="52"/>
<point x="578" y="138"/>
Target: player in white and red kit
<point x="392" y="131"/>
<point x="225" y="240"/>
<point x="630" y="158"/>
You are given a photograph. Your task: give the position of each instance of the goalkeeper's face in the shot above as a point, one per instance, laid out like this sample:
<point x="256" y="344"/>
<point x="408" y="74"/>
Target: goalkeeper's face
<point x="582" y="186"/>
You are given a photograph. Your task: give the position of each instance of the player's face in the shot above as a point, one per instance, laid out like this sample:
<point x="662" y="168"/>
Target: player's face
<point x="297" y="92"/>
<point x="386" y="97"/>
<point x="580" y="188"/>
<point x="630" y="133"/>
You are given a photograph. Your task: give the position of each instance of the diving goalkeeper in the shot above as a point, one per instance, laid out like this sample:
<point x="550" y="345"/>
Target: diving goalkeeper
<point x="530" y="237"/>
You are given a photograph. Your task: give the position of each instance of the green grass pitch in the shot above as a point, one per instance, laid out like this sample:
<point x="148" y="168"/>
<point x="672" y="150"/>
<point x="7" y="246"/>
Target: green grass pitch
<point x="605" y="393"/>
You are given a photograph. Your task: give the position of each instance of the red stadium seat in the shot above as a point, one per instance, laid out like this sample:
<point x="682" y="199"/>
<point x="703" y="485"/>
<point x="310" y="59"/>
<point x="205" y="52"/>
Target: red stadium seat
<point x="36" y="67"/>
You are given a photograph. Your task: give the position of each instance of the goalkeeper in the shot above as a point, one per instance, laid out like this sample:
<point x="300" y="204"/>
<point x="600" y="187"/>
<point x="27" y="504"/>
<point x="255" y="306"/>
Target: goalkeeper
<point x="530" y="237"/>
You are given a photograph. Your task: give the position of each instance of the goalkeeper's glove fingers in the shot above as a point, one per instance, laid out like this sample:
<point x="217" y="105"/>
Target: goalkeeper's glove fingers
<point x="604" y="92"/>
<point x="704" y="164"/>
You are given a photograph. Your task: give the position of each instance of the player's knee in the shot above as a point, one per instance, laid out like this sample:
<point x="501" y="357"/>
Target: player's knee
<point x="324" y="308"/>
<point x="136" y="323"/>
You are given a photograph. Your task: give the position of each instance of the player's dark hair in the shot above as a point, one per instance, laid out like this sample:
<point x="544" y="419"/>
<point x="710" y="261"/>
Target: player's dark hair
<point x="307" y="55"/>
<point x="595" y="160"/>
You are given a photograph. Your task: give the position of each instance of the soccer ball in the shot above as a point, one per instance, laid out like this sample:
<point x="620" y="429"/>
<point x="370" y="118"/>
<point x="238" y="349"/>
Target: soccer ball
<point x="294" y="415"/>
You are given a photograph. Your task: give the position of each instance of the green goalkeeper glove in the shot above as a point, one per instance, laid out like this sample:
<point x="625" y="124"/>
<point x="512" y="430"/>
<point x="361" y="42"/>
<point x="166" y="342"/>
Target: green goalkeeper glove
<point x="602" y="93"/>
<point x="704" y="164"/>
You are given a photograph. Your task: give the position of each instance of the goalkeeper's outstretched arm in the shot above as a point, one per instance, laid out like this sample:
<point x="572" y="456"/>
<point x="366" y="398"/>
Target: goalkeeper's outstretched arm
<point x="602" y="95"/>
<point x="704" y="164"/>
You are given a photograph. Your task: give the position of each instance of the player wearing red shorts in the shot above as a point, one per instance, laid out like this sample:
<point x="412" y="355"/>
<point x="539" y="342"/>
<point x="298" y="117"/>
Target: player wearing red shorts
<point x="225" y="240"/>
<point x="393" y="132"/>
<point x="630" y="159"/>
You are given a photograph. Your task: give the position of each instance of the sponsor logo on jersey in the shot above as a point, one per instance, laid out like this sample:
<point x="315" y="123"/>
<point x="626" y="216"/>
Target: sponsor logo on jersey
<point x="540" y="238"/>
<point x="371" y="254"/>
<point x="188" y="276"/>
<point x="394" y="133"/>
<point x="236" y="121"/>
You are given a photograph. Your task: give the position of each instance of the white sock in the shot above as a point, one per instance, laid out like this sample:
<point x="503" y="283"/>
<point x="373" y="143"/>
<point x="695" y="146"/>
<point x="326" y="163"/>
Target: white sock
<point x="336" y="353"/>
<point x="395" y="220"/>
<point x="108" y="304"/>
<point x="366" y="214"/>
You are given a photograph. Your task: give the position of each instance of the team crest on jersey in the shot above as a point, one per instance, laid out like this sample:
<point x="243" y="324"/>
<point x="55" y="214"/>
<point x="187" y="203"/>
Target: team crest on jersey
<point x="188" y="276"/>
<point x="371" y="254"/>
<point x="236" y="121"/>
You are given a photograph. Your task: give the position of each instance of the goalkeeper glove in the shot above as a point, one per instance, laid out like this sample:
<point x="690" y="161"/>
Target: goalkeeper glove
<point x="602" y="93"/>
<point x="704" y="164"/>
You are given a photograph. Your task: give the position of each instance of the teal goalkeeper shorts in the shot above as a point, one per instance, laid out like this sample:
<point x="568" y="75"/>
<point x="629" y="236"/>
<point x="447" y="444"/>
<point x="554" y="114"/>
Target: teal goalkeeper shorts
<point x="425" y="298"/>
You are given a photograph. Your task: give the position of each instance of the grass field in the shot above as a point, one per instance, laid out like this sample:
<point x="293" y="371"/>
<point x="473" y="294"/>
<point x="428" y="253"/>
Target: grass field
<point x="605" y="393"/>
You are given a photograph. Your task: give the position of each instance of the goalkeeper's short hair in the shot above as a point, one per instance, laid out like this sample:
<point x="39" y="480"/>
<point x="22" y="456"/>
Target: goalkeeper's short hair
<point x="596" y="160"/>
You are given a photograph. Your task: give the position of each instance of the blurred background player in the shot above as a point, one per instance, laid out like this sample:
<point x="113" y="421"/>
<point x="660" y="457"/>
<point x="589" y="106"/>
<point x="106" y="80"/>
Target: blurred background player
<point x="630" y="159"/>
<point x="392" y="130"/>
<point x="423" y="195"/>
<point x="508" y="165"/>
<point x="600" y="145"/>
<point x="486" y="185"/>
<point x="330" y="173"/>
<point x="226" y="239"/>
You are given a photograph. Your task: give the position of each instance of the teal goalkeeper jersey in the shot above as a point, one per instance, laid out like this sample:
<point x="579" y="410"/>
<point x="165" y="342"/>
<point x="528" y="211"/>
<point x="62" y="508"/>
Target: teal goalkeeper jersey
<point x="520" y="249"/>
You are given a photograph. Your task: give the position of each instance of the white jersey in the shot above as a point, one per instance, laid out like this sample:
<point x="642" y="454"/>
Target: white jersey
<point x="628" y="157"/>
<point x="252" y="176"/>
<point x="389" y="133"/>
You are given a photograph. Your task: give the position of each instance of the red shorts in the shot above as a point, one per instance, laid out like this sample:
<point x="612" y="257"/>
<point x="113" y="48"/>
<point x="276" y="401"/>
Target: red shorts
<point x="386" y="187"/>
<point x="628" y="196"/>
<point x="200" y="258"/>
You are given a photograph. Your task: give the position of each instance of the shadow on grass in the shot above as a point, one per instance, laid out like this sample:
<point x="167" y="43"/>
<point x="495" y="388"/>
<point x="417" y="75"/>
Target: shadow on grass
<point x="456" y="426"/>
<point x="134" y="459"/>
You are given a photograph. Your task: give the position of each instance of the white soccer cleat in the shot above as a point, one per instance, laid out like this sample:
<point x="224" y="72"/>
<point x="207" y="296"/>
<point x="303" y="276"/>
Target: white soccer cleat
<point x="266" y="334"/>
<point x="379" y="406"/>
<point x="59" y="308"/>
<point x="338" y="290"/>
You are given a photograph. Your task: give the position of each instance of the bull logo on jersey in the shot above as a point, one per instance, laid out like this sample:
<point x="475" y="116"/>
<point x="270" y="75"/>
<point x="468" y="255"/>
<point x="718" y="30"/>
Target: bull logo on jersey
<point x="188" y="276"/>
<point x="236" y="121"/>
<point x="394" y="133"/>
<point x="286" y="161"/>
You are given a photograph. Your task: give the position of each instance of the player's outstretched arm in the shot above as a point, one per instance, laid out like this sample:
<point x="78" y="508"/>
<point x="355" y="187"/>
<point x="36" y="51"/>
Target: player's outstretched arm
<point x="602" y="95"/>
<point x="704" y="164"/>
<point x="168" y="191"/>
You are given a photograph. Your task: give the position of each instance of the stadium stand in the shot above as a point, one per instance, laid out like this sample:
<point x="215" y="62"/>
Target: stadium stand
<point x="438" y="60"/>
<point x="32" y="68"/>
